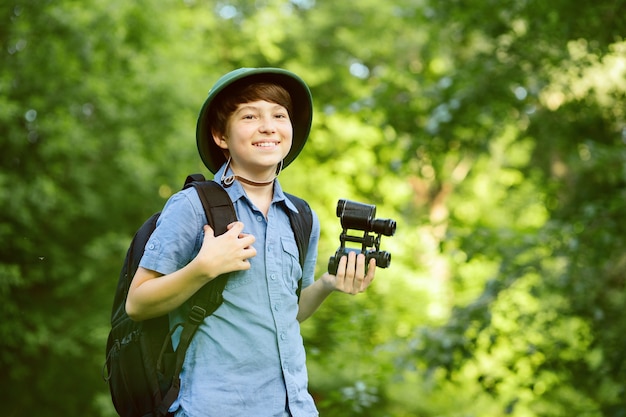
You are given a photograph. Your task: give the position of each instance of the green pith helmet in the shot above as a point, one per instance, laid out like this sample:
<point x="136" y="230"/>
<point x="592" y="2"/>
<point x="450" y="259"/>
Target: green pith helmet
<point x="212" y="155"/>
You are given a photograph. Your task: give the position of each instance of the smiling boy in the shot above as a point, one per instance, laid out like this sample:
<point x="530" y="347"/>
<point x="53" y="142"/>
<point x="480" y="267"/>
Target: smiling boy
<point x="248" y="358"/>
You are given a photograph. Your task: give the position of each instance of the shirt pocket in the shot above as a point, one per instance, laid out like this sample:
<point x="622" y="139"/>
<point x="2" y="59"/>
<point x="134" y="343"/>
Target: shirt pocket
<point x="292" y="270"/>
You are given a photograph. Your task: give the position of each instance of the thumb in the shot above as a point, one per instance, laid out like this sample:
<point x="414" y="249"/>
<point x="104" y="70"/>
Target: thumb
<point x="208" y="231"/>
<point x="234" y="225"/>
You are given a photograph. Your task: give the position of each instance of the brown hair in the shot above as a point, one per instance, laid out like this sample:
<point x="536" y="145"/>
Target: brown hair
<point x="228" y="100"/>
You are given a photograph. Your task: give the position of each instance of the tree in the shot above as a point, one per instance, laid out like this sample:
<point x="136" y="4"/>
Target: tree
<point x="537" y="337"/>
<point x="82" y="122"/>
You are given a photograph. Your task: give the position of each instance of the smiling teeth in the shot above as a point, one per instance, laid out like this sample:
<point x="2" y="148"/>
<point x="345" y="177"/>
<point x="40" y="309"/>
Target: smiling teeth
<point x="265" y="144"/>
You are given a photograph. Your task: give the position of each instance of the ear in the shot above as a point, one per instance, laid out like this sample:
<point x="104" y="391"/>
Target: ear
<point x="219" y="139"/>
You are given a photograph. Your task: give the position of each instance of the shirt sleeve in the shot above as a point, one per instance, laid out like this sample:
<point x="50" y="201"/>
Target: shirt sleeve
<point x="177" y="237"/>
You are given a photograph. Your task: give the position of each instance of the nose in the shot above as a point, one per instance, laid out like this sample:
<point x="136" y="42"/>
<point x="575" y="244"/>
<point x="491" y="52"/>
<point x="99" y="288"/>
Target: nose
<point x="267" y="125"/>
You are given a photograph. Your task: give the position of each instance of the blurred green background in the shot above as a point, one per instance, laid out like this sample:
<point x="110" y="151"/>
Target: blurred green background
<point x="494" y="132"/>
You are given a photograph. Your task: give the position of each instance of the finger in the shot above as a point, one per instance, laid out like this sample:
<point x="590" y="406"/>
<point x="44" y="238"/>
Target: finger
<point x="243" y="257"/>
<point x="351" y="265"/>
<point x="249" y="252"/>
<point x="245" y="265"/>
<point x="350" y="283"/>
<point x="235" y="226"/>
<point x="246" y="240"/>
<point x="371" y="272"/>
<point x="359" y="273"/>
<point x="340" y="276"/>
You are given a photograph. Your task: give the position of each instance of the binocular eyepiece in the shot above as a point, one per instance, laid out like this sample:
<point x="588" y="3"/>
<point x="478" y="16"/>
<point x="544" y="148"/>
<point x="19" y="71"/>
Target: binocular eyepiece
<point x="359" y="216"/>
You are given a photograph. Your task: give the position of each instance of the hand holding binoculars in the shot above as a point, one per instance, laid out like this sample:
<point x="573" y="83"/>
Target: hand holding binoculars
<point x="359" y="216"/>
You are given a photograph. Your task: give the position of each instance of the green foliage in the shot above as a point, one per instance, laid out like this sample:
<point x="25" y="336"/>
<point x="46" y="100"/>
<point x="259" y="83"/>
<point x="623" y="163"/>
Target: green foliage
<point x="493" y="132"/>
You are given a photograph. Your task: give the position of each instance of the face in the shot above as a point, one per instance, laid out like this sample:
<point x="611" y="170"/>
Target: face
<point x="258" y="136"/>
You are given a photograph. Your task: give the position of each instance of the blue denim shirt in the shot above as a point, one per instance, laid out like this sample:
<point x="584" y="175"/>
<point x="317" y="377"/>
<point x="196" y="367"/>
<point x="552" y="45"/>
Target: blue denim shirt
<point x="248" y="358"/>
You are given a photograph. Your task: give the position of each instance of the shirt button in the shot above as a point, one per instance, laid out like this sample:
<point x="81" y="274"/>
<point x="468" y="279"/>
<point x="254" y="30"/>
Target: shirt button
<point x="259" y="218"/>
<point x="276" y="308"/>
<point x="273" y="277"/>
<point x="151" y="246"/>
<point x="283" y="336"/>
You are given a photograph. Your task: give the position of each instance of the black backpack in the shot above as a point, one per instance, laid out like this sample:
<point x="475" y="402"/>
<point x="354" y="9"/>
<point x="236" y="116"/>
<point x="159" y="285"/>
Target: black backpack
<point x="142" y="369"/>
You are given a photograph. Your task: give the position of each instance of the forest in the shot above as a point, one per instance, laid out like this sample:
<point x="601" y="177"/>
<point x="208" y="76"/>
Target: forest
<point x="492" y="131"/>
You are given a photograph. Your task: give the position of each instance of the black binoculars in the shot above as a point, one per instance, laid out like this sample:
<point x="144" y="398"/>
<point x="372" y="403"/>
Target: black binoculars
<point x="360" y="216"/>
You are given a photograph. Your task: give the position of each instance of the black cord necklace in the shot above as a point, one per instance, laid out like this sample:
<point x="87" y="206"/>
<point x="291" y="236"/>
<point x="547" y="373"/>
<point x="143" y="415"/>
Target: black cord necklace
<point x="227" y="181"/>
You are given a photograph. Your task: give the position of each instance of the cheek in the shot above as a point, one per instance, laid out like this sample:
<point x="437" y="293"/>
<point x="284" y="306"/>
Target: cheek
<point x="287" y="132"/>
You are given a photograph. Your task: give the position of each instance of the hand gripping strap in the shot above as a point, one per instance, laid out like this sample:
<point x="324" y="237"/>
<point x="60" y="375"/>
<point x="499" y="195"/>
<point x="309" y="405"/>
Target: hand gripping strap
<point x="220" y="213"/>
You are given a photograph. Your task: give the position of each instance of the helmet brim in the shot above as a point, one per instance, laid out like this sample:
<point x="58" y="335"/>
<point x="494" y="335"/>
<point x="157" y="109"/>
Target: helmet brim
<point x="213" y="156"/>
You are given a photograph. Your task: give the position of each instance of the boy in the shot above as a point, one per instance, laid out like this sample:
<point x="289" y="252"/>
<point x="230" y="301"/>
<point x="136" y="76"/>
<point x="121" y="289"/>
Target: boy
<point x="247" y="359"/>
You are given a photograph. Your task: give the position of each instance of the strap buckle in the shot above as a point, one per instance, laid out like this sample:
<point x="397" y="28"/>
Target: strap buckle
<point x="197" y="314"/>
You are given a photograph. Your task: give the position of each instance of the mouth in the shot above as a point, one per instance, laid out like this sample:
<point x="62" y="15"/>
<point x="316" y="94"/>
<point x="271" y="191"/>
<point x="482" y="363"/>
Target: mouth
<point x="266" y="144"/>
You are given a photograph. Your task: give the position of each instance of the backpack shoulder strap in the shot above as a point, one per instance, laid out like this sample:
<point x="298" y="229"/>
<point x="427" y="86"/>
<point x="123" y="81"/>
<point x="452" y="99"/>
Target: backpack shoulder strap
<point x="301" y="223"/>
<point x="217" y="205"/>
<point x="220" y="213"/>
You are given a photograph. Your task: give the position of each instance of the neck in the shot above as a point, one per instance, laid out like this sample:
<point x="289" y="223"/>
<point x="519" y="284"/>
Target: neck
<point x="260" y="195"/>
<point x="227" y="180"/>
<point x="254" y="183"/>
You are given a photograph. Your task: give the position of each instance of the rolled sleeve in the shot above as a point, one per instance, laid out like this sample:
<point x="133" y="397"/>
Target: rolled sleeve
<point x="178" y="235"/>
